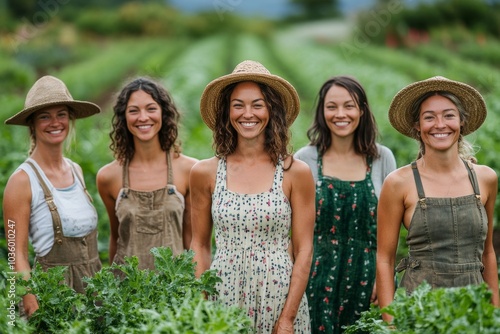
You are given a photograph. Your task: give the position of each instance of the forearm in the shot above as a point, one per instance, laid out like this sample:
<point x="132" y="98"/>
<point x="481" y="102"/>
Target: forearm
<point x="490" y="276"/>
<point x="298" y="284"/>
<point x="202" y="258"/>
<point x="385" y="286"/>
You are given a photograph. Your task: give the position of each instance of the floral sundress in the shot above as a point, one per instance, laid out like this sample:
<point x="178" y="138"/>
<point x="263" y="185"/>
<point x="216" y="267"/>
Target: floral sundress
<point x="252" y="235"/>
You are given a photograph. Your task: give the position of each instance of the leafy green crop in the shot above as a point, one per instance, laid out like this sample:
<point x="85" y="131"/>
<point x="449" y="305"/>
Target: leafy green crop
<point x="125" y="299"/>
<point x="460" y="310"/>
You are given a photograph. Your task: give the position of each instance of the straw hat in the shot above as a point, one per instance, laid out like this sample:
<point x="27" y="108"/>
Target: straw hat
<point x="49" y="91"/>
<point x="399" y="110"/>
<point x="248" y="70"/>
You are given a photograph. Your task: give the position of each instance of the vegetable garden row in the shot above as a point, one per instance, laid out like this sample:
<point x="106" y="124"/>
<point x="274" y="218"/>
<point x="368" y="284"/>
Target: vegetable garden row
<point x="186" y="66"/>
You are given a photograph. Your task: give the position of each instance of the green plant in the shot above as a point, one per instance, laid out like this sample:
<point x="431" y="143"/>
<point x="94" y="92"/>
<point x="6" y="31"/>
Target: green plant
<point x="124" y="299"/>
<point x="458" y="310"/>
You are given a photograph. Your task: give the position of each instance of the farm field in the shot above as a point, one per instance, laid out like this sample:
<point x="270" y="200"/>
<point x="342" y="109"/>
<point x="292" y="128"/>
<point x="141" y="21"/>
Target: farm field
<point x="186" y="65"/>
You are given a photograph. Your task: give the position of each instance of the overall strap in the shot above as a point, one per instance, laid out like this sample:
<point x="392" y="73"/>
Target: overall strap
<point x="49" y="199"/>
<point x="170" y="168"/>
<point x="472" y="178"/>
<point x="125" y="174"/>
<point x="418" y="181"/>
<point x="81" y="179"/>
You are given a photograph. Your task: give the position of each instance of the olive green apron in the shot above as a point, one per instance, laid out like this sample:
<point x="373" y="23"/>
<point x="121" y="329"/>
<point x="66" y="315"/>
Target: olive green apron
<point x="445" y="239"/>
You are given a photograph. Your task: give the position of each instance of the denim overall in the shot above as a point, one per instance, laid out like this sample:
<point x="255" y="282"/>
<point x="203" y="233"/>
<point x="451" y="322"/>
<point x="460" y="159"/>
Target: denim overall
<point x="148" y="219"/>
<point x="445" y="239"/>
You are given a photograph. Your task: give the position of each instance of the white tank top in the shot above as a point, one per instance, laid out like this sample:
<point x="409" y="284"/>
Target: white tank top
<point x="78" y="215"/>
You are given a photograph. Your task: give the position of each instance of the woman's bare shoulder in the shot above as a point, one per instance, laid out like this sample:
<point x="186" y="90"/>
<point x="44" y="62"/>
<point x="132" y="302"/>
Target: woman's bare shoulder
<point x="109" y="172"/>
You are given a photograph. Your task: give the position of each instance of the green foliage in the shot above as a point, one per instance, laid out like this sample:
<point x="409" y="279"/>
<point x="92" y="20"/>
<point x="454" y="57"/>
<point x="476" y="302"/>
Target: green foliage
<point x="459" y="310"/>
<point x="125" y="299"/>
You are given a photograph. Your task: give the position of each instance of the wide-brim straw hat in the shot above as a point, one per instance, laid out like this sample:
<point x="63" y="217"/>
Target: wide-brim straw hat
<point x="248" y="70"/>
<point x="49" y="91"/>
<point x="400" y="108"/>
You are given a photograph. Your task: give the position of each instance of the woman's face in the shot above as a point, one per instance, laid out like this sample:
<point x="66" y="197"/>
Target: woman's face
<point x="248" y="110"/>
<point x="439" y="123"/>
<point x="341" y="112"/>
<point x="51" y="124"/>
<point x="143" y="116"/>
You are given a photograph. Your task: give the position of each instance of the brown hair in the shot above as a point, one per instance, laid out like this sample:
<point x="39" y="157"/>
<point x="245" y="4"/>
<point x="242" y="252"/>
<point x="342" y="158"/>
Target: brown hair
<point x="277" y="133"/>
<point x="122" y="143"/>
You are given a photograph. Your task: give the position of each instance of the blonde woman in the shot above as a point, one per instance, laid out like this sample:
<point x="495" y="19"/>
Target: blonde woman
<point x="444" y="198"/>
<point x="45" y="200"/>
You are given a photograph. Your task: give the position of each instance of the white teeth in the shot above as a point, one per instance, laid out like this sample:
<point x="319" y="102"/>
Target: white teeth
<point x="341" y="123"/>
<point x="440" y="135"/>
<point x="248" y="124"/>
<point x="144" y="126"/>
<point x="55" y="132"/>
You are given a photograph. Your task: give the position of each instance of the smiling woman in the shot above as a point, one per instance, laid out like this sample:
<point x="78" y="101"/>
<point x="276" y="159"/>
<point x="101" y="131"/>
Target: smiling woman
<point x="146" y="189"/>
<point x="255" y="195"/>
<point x="46" y="197"/>
<point x="444" y="199"/>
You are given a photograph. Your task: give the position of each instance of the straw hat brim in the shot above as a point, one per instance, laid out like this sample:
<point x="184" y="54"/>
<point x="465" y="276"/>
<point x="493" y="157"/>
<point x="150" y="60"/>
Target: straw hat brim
<point x="210" y="99"/>
<point x="400" y="114"/>
<point x="81" y="109"/>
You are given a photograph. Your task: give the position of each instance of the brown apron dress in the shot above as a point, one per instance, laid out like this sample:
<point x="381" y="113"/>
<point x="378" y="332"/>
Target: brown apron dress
<point x="148" y="219"/>
<point x="445" y="239"/>
<point x="79" y="254"/>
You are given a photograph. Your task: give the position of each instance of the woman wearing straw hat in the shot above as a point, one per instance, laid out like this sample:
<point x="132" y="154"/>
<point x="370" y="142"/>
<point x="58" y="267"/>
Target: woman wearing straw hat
<point x="255" y="194"/>
<point x="444" y="199"/>
<point x="146" y="189"/>
<point x="349" y="168"/>
<point x="45" y="199"/>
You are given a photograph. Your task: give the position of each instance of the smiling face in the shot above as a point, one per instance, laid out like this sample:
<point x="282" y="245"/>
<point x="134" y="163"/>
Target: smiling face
<point x="341" y="112"/>
<point x="143" y="116"/>
<point x="439" y="123"/>
<point x="51" y="125"/>
<point x="248" y="110"/>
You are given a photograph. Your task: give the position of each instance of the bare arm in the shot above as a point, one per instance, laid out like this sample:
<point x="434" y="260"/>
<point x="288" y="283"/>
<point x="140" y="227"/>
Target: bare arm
<point x="302" y="201"/>
<point x="106" y="179"/>
<point x="187" y="165"/>
<point x="390" y="214"/>
<point x="16" y="215"/>
<point x="490" y="273"/>
<point x="200" y="184"/>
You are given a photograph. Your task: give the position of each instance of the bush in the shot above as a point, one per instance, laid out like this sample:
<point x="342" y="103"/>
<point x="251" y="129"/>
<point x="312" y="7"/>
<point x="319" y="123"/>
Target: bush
<point x="125" y="299"/>
<point x="460" y="310"/>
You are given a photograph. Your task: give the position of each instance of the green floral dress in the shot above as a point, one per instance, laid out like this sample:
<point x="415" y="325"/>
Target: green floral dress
<point x="343" y="267"/>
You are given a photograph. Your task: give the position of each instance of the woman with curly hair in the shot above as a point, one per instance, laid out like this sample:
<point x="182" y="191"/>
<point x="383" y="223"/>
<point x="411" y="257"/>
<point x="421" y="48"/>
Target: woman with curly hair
<point x="257" y="197"/>
<point x="146" y="189"/>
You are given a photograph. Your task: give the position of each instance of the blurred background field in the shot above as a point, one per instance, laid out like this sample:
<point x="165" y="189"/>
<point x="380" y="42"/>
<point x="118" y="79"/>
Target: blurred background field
<point x="95" y="47"/>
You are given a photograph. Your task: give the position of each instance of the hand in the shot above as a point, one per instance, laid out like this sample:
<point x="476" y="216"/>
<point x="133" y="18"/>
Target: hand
<point x="283" y="326"/>
<point x="30" y="304"/>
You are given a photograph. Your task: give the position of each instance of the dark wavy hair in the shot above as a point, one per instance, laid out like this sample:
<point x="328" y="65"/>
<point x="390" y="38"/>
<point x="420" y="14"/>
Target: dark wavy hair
<point x="366" y="133"/>
<point x="122" y="143"/>
<point x="277" y="133"/>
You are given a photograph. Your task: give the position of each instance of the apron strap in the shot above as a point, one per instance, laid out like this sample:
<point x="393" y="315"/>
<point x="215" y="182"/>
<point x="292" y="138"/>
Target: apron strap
<point x="418" y="181"/>
<point x="472" y="178"/>
<point x="81" y="179"/>
<point x="170" y="168"/>
<point x="49" y="199"/>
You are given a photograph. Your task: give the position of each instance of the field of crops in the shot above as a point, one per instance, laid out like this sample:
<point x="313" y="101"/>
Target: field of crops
<point x="185" y="66"/>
